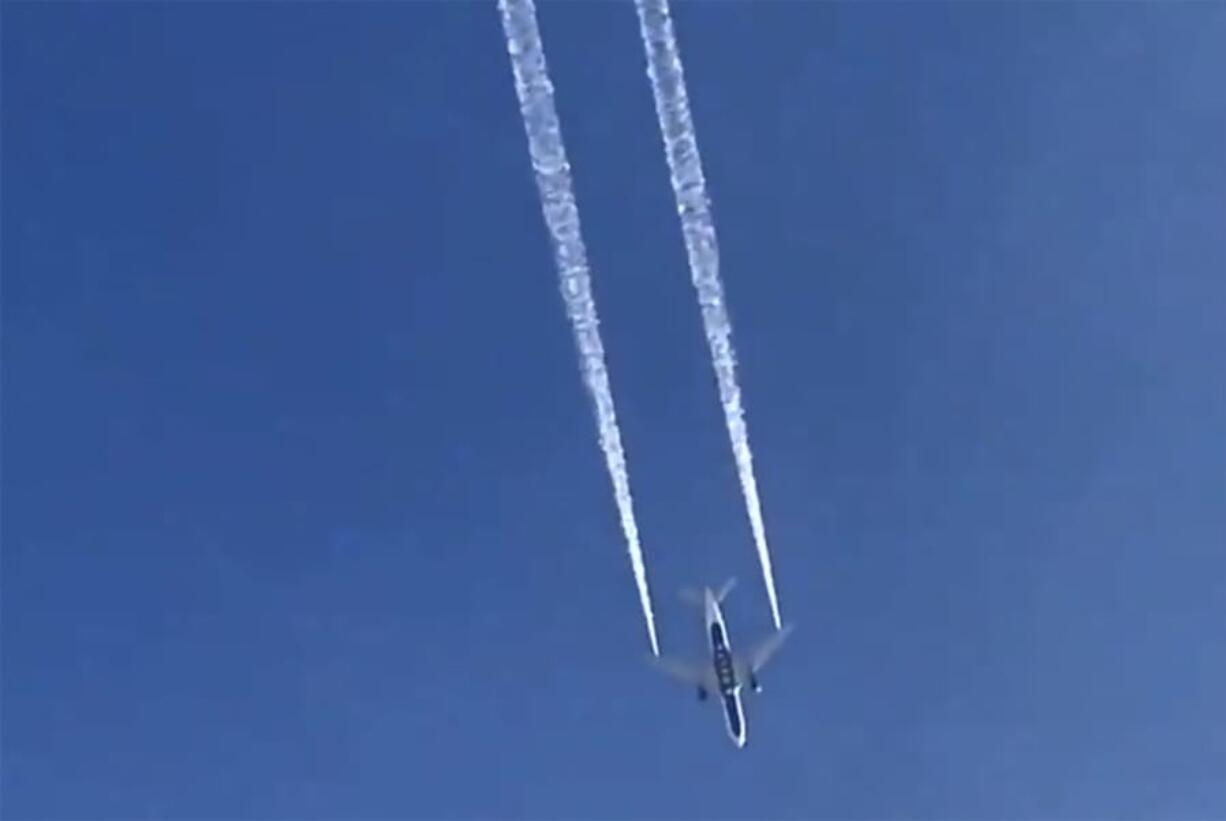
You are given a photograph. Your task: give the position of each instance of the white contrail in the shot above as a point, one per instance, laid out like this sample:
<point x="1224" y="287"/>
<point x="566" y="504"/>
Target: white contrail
<point x="694" y="208"/>
<point x="562" y="218"/>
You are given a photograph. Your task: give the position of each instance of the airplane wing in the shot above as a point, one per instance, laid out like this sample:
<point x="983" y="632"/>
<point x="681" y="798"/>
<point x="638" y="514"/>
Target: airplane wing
<point x="685" y="672"/>
<point x="761" y="653"/>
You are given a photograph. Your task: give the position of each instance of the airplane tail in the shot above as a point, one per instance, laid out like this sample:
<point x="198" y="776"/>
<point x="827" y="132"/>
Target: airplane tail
<point x="695" y="597"/>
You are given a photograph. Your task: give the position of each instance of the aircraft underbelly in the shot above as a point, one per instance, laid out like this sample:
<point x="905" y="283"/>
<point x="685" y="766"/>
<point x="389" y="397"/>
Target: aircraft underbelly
<point x="735" y="717"/>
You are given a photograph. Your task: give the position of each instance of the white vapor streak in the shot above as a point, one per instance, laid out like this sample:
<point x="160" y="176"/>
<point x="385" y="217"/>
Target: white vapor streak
<point x="698" y="227"/>
<point x="553" y="180"/>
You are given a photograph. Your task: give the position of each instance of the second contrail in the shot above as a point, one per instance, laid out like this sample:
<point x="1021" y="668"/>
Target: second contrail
<point x="698" y="228"/>
<point x="553" y="181"/>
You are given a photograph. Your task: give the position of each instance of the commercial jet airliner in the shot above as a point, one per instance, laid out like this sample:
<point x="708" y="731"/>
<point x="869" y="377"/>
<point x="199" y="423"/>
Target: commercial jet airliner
<point x="727" y="672"/>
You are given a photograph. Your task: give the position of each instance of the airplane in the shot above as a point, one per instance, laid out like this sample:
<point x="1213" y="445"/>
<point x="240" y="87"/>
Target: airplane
<point x="727" y="672"/>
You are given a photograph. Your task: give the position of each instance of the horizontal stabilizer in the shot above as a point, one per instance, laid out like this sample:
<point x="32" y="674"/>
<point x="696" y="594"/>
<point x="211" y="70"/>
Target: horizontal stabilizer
<point x="691" y="596"/>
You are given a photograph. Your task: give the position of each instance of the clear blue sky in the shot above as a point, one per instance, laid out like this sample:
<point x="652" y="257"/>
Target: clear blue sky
<point x="303" y="511"/>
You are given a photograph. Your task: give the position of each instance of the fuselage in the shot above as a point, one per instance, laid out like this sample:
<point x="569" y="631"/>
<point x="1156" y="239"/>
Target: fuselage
<point x="725" y="669"/>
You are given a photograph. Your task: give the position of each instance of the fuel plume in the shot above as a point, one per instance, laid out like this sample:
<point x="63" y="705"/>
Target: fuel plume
<point x="698" y="228"/>
<point x="553" y="181"/>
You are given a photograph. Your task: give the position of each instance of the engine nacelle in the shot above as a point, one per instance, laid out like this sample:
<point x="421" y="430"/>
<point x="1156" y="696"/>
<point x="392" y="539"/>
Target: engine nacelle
<point x="702" y="693"/>
<point x="754" y="684"/>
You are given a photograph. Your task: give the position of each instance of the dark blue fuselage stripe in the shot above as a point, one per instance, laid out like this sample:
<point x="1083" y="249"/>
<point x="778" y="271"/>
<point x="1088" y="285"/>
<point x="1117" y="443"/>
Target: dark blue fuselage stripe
<point x="725" y="670"/>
